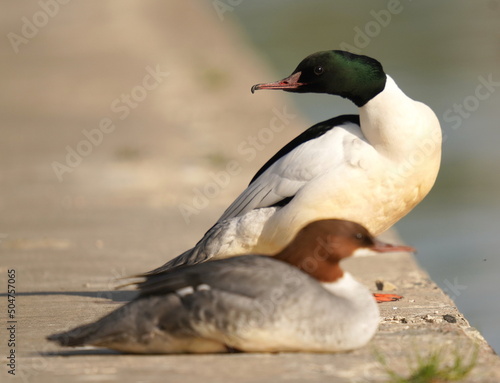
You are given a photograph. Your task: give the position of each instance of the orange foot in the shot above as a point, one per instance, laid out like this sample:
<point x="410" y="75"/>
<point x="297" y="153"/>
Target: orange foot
<point x="387" y="297"/>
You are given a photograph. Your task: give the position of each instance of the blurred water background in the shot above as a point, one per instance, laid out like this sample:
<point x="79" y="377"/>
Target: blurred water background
<point x="438" y="53"/>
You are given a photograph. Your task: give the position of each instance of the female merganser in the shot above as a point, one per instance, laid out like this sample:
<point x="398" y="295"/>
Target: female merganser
<point x="371" y="168"/>
<point x="250" y="303"/>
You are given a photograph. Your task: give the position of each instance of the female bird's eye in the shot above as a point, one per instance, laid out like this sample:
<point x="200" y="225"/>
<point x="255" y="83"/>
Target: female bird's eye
<point x="359" y="236"/>
<point x="318" y="70"/>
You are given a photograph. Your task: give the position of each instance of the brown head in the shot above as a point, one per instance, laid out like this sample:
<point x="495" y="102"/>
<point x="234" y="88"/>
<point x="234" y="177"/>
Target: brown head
<point x="319" y="247"/>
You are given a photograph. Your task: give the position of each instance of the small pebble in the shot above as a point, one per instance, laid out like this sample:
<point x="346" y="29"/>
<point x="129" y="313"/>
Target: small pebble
<point x="384" y="285"/>
<point x="449" y="318"/>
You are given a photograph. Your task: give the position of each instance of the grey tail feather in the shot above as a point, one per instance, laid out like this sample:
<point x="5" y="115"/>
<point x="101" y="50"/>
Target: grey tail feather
<point x="79" y="336"/>
<point x="112" y="326"/>
<point x="204" y="250"/>
<point x="189" y="257"/>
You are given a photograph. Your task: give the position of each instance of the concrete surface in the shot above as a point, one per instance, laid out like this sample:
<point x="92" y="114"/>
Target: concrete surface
<point x="119" y="211"/>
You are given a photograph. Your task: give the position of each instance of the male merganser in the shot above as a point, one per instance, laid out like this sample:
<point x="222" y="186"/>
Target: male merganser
<point x="371" y="168"/>
<point x="250" y="303"/>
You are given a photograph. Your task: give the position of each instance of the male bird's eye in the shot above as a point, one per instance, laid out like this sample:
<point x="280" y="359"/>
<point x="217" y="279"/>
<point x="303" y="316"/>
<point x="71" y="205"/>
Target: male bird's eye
<point x="359" y="236"/>
<point x="318" y="70"/>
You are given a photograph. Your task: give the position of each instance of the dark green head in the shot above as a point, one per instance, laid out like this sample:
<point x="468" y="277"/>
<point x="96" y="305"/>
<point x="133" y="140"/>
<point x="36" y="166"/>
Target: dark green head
<point x="357" y="78"/>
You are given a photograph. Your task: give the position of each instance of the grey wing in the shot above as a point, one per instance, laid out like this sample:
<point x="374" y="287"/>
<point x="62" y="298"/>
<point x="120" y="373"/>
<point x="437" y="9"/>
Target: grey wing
<point x="239" y="274"/>
<point x="286" y="176"/>
<point x="225" y="298"/>
<point x="268" y="190"/>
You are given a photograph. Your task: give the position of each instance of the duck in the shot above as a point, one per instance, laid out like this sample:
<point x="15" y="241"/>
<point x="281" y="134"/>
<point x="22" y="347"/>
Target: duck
<point x="372" y="168"/>
<point x="300" y="300"/>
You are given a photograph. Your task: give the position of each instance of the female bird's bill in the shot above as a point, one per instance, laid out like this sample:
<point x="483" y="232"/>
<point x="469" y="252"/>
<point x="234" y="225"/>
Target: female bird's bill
<point x="382" y="247"/>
